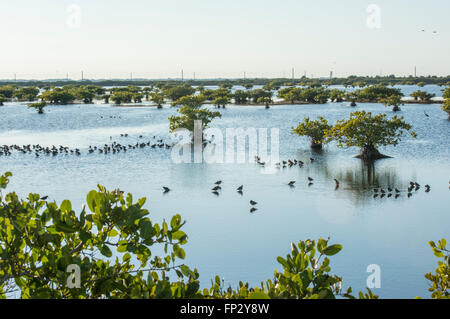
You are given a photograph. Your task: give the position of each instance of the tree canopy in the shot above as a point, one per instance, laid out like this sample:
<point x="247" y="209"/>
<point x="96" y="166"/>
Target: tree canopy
<point x="368" y="131"/>
<point x="315" y="129"/>
<point x="394" y="100"/>
<point x="189" y="115"/>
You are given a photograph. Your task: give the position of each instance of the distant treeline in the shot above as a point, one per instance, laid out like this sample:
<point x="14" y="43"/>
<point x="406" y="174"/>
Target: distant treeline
<point x="349" y="81"/>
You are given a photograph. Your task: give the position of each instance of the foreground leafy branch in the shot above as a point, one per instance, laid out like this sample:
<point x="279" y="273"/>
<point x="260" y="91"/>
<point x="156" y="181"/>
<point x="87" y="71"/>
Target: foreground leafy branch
<point x="111" y="241"/>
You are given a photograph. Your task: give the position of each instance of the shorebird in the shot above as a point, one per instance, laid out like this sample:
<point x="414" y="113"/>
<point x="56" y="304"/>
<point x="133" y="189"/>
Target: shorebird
<point x="218" y="182"/>
<point x="166" y="189"/>
<point x="253" y="203"/>
<point x="253" y="209"/>
<point x="427" y="188"/>
<point x="44" y="198"/>
<point x="217" y="188"/>
<point x="310" y="179"/>
<point x="291" y="183"/>
<point x="240" y="188"/>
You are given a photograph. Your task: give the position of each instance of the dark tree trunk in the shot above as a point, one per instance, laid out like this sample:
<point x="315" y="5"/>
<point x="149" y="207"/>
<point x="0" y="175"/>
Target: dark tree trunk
<point x="267" y="106"/>
<point x="316" y="146"/>
<point x="159" y="106"/>
<point x="370" y="153"/>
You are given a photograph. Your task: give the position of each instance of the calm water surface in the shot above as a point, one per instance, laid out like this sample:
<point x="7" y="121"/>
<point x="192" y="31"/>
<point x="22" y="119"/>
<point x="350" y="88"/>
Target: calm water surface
<point x="224" y="237"/>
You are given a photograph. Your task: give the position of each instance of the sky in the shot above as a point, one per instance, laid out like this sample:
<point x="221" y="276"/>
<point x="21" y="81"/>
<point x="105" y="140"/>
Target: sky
<point x="106" y="39"/>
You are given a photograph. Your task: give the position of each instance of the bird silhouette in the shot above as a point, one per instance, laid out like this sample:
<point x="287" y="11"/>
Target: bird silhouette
<point x="426" y="114"/>
<point x="291" y="183"/>
<point x="166" y="189"/>
<point x="44" y="198"/>
<point x="253" y="209"/>
<point x="253" y="203"/>
<point x="240" y="188"/>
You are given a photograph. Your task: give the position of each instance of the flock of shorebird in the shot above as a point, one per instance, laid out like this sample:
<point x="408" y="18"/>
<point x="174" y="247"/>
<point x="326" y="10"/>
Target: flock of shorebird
<point x="155" y="142"/>
<point x="377" y="192"/>
<point x="389" y="191"/>
<point x="114" y="148"/>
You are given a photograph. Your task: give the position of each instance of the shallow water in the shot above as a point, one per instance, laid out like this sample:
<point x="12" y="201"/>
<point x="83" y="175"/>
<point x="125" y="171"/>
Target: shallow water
<point x="224" y="237"/>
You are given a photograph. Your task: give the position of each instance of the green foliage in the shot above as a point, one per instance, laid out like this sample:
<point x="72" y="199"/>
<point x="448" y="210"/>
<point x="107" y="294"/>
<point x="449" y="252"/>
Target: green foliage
<point x="119" y="97"/>
<point x="315" y="129"/>
<point x="106" y="97"/>
<point x="305" y="275"/>
<point x="394" y="100"/>
<point x="221" y="101"/>
<point x="446" y="106"/>
<point x="376" y="93"/>
<point x="272" y="86"/>
<point x="157" y="98"/>
<point x="337" y="95"/>
<point x="258" y="93"/>
<point x="110" y="243"/>
<point x="26" y="93"/>
<point x="192" y="101"/>
<point x="422" y="96"/>
<point x="439" y="282"/>
<point x="445" y="95"/>
<point x="7" y="91"/>
<point x="368" y="131"/>
<point x="84" y="94"/>
<point x="58" y="96"/>
<point x="241" y="97"/>
<point x="308" y="95"/>
<point x="176" y="92"/>
<point x="188" y="115"/>
<point x="38" y="106"/>
<point x="265" y="100"/>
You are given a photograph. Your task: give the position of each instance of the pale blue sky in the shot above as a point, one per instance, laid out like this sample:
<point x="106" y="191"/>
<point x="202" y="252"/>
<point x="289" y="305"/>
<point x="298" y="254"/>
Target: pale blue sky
<point x="217" y="38"/>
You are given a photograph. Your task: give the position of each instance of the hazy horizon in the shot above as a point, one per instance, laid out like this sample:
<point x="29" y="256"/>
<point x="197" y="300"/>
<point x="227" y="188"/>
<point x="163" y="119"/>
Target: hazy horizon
<point x="51" y="39"/>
